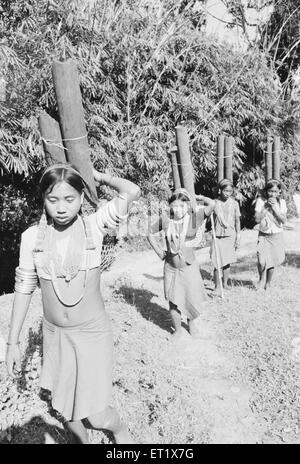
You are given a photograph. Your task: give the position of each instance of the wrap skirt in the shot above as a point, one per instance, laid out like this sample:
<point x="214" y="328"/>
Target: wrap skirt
<point x="77" y="367"/>
<point x="184" y="288"/>
<point x="226" y="251"/>
<point x="270" y="249"/>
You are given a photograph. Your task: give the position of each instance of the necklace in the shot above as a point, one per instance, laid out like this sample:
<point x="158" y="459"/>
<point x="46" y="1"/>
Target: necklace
<point x="54" y="281"/>
<point x="68" y="268"/>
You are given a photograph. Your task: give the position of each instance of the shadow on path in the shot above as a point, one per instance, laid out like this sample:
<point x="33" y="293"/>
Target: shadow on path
<point x="36" y="431"/>
<point x="241" y="283"/>
<point x="152" y="277"/>
<point x="292" y="259"/>
<point x="141" y="299"/>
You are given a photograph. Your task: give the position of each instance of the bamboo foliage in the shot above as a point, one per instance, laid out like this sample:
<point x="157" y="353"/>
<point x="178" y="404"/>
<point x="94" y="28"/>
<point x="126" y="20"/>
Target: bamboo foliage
<point x="145" y="67"/>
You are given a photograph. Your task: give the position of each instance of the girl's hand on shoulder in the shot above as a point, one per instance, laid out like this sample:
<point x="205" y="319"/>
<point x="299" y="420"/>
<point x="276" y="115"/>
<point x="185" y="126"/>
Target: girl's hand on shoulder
<point x="13" y="360"/>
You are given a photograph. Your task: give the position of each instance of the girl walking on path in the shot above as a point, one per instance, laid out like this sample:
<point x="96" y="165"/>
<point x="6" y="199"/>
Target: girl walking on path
<point x="270" y="214"/>
<point x="226" y="219"/>
<point x="64" y="252"/>
<point x="183" y="284"/>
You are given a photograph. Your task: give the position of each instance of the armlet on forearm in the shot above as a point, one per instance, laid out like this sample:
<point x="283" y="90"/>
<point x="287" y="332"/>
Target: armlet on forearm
<point x="25" y="281"/>
<point x="109" y="216"/>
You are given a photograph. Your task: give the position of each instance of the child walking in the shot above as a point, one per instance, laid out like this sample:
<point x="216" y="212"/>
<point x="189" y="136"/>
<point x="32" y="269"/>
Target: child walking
<point x="270" y="214"/>
<point x="183" y="284"/>
<point x="63" y="252"/>
<point x="226" y="219"/>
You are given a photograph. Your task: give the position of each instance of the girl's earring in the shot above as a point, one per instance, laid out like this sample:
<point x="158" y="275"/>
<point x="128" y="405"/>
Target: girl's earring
<point x="43" y="220"/>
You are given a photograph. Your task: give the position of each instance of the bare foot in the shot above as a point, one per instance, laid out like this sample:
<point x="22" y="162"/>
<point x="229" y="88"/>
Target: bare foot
<point x="123" y="437"/>
<point x="217" y="292"/>
<point x="268" y="286"/>
<point x="176" y="335"/>
<point x="260" y="285"/>
<point x="194" y="331"/>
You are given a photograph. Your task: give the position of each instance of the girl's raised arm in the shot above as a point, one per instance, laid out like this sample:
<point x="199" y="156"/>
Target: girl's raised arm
<point x="128" y="191"/>
<point x="209" y="204"/>
<point x="115" y="211"/>
<point x="153" y="237"/>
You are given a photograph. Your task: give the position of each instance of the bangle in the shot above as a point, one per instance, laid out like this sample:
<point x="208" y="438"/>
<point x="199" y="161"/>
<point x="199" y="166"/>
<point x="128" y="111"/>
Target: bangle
<point x="10" y="344"/>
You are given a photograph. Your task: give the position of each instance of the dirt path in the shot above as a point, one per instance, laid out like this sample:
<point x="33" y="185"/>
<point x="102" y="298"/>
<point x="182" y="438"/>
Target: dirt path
<point x="230" y="418"/>
<point x="208" y="376"/>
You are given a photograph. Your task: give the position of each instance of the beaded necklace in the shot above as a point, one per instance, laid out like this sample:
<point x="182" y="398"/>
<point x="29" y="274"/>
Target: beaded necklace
<point x="80" y="244"/>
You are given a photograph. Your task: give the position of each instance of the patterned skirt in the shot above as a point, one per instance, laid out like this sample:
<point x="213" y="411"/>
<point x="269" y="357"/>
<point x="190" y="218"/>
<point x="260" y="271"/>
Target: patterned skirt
<point x="77" y="367"/>
<point x="184" y="288"/>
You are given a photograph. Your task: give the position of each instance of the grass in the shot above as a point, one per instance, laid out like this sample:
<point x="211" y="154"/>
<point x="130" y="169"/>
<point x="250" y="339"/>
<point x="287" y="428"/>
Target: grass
<point x="156" y="395"/>
<point x="257" y="330"/>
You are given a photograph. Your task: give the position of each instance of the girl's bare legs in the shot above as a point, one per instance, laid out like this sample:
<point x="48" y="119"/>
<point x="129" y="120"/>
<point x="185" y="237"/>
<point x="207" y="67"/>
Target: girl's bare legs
<point x="79" y="433"/>
<point x="226" y="271"/>
<point x="262" y="275"/>
<point x="110" y="420"/>
<point x="217" y="289"/>
<point x="216" y="279"/>
<point x="269" y="273"/>
<point x="176" y="318"/>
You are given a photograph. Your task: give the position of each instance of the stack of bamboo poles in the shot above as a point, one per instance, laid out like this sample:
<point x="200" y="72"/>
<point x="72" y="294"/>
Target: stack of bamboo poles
<point x="272" y="159"/>
<point x="225" y="171"/>
<point x="66" y="140"/>
<point x="224" y="158"/>
<point x="181" y="162"/>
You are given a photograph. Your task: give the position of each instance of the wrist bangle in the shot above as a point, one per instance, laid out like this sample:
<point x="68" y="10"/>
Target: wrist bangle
<point x="10" y="344"/>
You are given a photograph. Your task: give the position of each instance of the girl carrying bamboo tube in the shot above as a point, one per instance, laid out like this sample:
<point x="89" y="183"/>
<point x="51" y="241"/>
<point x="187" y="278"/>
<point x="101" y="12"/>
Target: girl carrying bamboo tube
<point x="183" y="284"/>
<point x="270" y="214"/>
<point x="226" y="219"/>
<point x="63" y="252"/>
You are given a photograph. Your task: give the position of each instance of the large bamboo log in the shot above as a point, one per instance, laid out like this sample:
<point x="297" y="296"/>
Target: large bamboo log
<point x="276" y="158"/>
<point x="269" y="160"/>
<point x="175" y="171"/>
<point x="220" y="157"/>
<point x="52" y="140"/>
<point x="72" y="123"/>
<point x="184" y="161"/>
<point x="228" y="157"/>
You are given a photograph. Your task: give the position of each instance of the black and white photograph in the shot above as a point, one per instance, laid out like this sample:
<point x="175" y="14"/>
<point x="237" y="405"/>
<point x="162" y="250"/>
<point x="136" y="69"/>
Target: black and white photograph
<point x="150" y="225"/>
